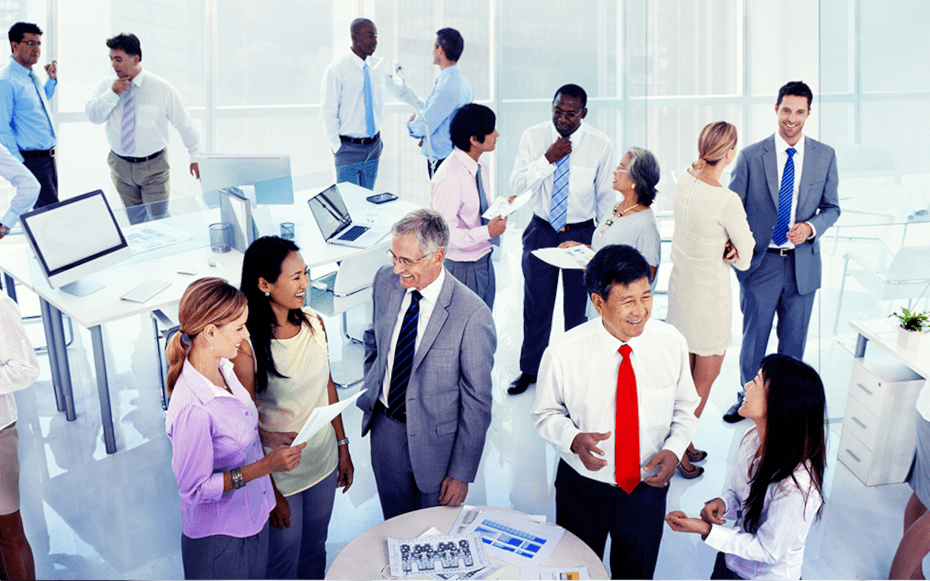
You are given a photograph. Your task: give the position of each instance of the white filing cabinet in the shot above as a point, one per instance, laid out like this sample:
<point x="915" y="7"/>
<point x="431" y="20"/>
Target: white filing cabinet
<point x="879" y="428"/>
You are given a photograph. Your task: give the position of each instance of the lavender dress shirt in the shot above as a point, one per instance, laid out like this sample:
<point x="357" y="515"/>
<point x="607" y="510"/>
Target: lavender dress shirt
<point x="454" y="194"/>
<point x="211" y="434"/>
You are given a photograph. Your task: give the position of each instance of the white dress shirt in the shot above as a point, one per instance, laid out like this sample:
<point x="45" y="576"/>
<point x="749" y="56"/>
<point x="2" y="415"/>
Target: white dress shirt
<point x="781" y="157"/>
<point x="590" y="173"/>
<point x="26" y="184"/>
<point x="577" y="392"/>
<point x="19" y="367"/>
<point x="156" y="103"/>
<point x="342" y="104"/>
<point x="776" y="550"/>
<point x="427" y="303"/>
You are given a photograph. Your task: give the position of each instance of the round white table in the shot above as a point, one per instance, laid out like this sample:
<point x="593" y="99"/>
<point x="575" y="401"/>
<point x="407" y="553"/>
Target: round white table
<point x="366" y="557"/>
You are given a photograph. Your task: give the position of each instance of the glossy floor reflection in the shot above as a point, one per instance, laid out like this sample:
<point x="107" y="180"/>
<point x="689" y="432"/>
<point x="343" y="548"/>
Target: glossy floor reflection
<point x="93" y="516"/>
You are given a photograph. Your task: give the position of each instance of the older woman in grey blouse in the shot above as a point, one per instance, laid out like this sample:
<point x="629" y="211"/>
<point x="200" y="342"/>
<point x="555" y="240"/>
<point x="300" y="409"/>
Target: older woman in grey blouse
<point x="632" y="222"/>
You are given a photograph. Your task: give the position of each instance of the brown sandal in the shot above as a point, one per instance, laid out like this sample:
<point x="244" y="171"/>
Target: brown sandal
<point x="690" y="474"/>
<point x="695" y="456"/>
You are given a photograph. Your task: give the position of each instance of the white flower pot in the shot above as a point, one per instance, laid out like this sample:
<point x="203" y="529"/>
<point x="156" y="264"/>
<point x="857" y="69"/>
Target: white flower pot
<point x="908" y="339"/>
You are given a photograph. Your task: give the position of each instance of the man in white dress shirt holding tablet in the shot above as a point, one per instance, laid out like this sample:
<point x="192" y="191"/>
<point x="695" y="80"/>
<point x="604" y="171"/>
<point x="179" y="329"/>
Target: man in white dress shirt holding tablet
<point x="137" y="107"/>
<point x="616" y="400"/>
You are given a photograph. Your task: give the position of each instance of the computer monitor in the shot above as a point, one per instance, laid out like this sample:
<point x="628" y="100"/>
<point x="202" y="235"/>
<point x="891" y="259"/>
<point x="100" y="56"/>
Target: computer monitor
<point x="270" y="174"/>
<point x="74" y="238"/>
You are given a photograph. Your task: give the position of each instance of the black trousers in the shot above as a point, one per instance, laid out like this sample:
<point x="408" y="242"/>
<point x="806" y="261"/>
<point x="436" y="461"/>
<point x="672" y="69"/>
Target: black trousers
<point x="47" y="173"/>
<point x="721" y="571"/>
<point x="592" y="510"/>
<point x="540" y="283"/>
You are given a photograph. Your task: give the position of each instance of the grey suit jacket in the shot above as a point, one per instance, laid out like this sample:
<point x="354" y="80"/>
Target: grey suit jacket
<point x="449" y="394"/>
<point x="755" y="180"/>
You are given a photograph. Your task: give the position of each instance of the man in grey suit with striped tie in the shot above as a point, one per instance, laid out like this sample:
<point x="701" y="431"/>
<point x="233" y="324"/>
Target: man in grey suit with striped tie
<point x="788" y="184"/>
<point x="428" y="360"/>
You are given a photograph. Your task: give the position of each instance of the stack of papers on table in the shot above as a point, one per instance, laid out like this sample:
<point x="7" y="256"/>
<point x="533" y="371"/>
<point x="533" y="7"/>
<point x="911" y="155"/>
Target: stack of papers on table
<point x="523" y="540"/>
<point x="439" y="556"/>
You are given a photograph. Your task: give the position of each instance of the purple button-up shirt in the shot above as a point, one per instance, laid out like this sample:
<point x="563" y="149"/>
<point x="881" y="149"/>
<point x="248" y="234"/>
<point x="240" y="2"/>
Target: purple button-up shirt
<point x="454" y="194"/>
<point x="212" y="434"/>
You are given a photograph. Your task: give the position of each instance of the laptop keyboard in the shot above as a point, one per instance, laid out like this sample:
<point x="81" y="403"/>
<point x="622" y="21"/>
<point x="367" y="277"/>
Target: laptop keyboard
<point x="354" y="233"/>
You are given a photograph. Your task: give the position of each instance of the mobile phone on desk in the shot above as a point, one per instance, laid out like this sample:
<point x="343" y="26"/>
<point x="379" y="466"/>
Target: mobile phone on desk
<point x="381" y="198"/>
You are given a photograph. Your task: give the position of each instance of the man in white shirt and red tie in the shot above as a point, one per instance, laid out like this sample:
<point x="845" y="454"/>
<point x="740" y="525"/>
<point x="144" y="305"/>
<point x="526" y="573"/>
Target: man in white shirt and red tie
<point x="616" y="400"/>
<point x="459" y="191"/>
<point x="137" y="107"/>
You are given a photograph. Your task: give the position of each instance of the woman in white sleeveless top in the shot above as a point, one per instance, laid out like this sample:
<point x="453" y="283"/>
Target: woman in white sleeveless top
<point x="711" y="233"/>
<point x="287" y="362"/>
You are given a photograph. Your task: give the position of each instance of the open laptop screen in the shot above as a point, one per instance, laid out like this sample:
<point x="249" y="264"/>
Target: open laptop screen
<point x="330" y="212"/>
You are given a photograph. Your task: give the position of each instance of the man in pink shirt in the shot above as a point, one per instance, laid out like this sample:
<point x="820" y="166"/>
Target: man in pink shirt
<point x="459" y="192"/>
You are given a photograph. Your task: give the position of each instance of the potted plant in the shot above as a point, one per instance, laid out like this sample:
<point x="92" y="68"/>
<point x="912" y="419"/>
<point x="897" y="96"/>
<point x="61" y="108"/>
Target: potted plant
<point x="912" y="325"/>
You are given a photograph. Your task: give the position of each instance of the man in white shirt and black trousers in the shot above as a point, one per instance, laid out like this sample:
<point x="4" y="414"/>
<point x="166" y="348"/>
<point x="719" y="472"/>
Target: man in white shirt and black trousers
<point x="616" y="399"/>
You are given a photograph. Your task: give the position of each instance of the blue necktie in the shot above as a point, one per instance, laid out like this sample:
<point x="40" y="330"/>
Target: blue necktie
<point x="369" y="109"/>
<point x="558" y="214"/>
<point x="403" y="359"/>
<point x="483" y="205"/>
<point x="785" y="194"/>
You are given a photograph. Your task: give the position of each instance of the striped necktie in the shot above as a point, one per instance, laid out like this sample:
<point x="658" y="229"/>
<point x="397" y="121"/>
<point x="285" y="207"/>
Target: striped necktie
<point x="403" y="359"/>
<point x="369" y="108"/>
<point x="558" y="213"/>
<point x="785" y="195"/>
<point x="128" y="126"/>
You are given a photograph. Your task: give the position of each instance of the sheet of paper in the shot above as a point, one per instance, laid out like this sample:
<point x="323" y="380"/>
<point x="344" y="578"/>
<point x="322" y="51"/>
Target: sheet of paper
<point x="152" y="235"/>
<point x="567" y="573"/>
<point x="501" y="207"/>
<point x="574" y="257"/>
<point x="469" y="513"/>
<point x="438" y="554"/>
<point x="512" y="538"/>
<point x="322" y="416"/>
<point x="476" y="574"/>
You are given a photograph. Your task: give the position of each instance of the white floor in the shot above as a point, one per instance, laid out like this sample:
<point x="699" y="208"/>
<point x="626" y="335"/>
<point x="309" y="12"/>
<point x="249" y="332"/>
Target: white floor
<point x="89" y="515"/>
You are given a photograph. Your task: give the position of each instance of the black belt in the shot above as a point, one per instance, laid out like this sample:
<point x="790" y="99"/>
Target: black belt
<point x="139" y="159"/>
<point x="361" y="140"/>
<point x="387" y="413"/>
<point x="568" y="227"/>
<point x="33" y="153"/>
<point x="781" y="251"/>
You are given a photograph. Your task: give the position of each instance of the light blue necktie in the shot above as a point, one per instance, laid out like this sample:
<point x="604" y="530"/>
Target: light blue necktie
<point x="558" y="214"/>
<point x="128" y="126"/>
<point x="785" y="194"/>
<point x="483" y="205"/>
<point x="45" y="105"/>
<point x="369" y="109"/>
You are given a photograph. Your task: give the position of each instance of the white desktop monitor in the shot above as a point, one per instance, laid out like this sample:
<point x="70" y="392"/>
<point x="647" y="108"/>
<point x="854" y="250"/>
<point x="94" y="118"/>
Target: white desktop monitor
<point x="75" y="238"/>
<point x="270" y="174"/>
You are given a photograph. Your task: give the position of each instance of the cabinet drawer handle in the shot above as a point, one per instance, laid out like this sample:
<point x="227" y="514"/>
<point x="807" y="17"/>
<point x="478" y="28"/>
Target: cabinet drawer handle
<point x="856" y="458"/>
<point x="861" y="425"/>
<point x="863" y="388"/>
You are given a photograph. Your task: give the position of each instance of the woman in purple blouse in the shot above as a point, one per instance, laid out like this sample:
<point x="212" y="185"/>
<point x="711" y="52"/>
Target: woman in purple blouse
<point x="217" y="458"/>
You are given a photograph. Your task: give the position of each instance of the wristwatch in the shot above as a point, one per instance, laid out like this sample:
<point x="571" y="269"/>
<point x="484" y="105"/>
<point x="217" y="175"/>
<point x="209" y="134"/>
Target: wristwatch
<point x="4" y="230"/>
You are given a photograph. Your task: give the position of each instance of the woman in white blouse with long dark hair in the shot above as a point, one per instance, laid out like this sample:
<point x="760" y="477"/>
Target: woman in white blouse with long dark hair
<point x="776" y="490"/>
<point x="711" y="232"/>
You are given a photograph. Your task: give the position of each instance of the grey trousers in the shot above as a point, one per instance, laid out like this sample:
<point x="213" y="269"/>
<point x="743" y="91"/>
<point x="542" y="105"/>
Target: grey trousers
<point x="224" y="557"/>
<point x="477" y="276"/>
<point x="141" y="183"/>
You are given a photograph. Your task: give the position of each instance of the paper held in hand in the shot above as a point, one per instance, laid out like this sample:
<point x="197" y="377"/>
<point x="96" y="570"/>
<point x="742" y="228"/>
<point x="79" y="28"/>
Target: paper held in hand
<point x="573" y="257"/>
<point x="501" y="207"/>
<point x="322" y="416"/>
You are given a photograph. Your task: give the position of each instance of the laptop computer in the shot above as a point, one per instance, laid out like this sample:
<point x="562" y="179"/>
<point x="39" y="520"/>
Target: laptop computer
<point x="336" y="225"/>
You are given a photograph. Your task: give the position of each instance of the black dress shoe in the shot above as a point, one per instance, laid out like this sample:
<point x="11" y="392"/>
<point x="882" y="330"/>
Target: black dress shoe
<point x="521" y="383"/>
<point x="732" y="416"/>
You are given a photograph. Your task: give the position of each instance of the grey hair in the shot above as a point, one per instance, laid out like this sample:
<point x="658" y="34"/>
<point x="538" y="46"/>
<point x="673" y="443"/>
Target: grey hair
<point x="429" y="226"/>
<point x="644" y="171"/>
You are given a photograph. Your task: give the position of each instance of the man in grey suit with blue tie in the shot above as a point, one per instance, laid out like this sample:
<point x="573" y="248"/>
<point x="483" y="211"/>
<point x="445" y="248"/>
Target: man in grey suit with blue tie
<point x="788" y="185"/>
<point x="428" y="360"/>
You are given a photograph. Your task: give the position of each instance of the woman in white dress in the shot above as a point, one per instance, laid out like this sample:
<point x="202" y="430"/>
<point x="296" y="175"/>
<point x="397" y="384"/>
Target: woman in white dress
<point x="632" y="222"/>
<point x="711" y="232"/>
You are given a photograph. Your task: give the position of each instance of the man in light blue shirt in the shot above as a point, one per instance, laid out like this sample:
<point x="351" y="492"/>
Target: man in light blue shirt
<point x="452" y="91"/>
<point x="27" y="128"/>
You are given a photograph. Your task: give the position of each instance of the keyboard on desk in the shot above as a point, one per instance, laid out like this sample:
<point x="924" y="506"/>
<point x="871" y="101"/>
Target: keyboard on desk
<point x="354" y="233"/>
<point x="146" y="290"/>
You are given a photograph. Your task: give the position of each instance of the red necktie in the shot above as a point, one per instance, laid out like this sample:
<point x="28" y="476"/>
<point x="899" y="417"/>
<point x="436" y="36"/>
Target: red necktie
<point x="626" y="436"/>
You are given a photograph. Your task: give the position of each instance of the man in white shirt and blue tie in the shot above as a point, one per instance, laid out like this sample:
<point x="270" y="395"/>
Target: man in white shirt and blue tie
<point x="788" y="185"/>
<point x="352" y="107"/>
<point x="136" y="108"/>
<point x="566" y="167"/>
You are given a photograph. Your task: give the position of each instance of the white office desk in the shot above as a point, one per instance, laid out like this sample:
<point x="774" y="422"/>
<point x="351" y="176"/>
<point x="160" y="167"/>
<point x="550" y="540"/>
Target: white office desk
<point x="884" y="332"/>
<point x="103" y="306"/>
